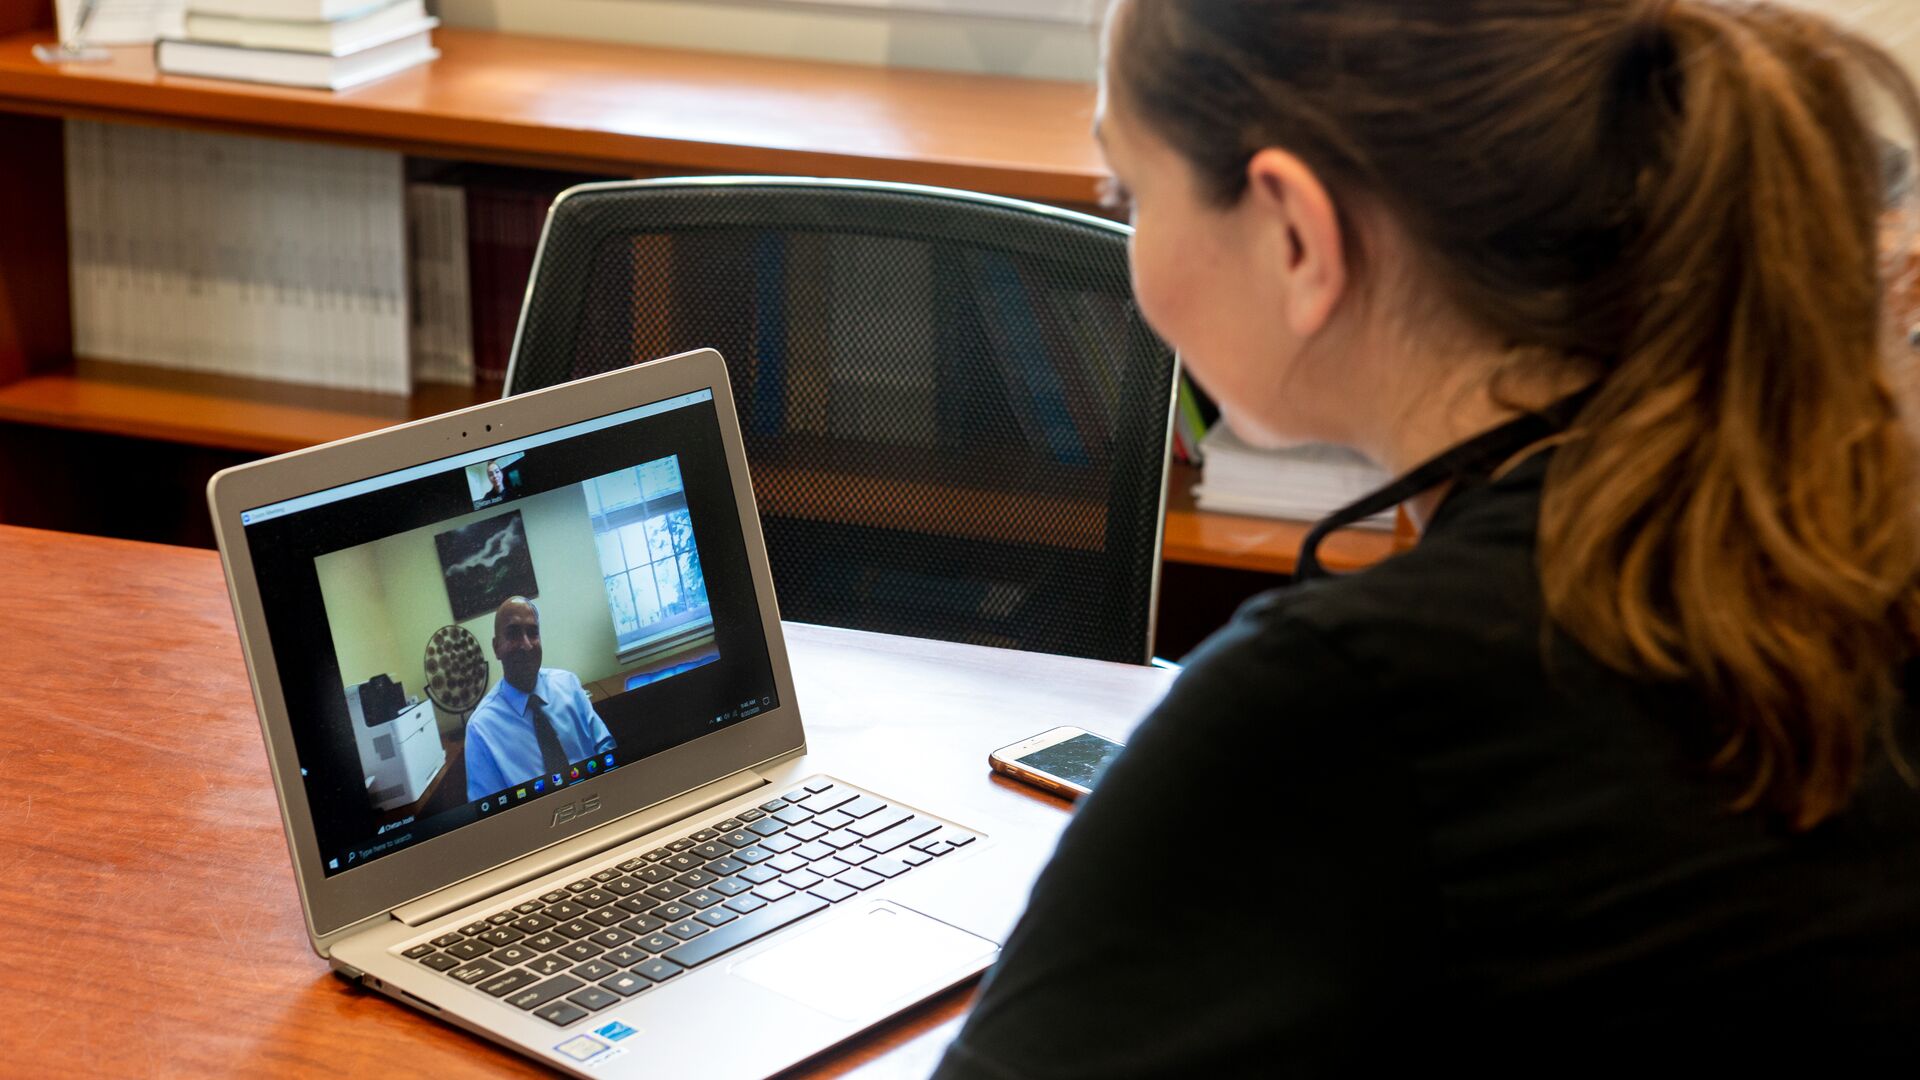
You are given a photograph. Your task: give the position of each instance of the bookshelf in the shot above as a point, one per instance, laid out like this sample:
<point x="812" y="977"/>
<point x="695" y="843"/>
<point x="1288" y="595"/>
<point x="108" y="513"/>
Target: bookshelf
<point x="497" y="98"/>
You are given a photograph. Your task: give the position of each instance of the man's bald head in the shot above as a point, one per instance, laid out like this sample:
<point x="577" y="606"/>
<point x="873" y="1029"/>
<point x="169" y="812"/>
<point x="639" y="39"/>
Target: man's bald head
<point x="516" y="642"/>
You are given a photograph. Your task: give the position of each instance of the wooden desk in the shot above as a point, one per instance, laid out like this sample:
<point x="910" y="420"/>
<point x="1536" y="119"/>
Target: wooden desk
<point x="151" y="926"/>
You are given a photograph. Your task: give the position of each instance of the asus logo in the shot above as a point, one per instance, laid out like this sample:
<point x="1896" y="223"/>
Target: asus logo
<point x="568" y="811"/>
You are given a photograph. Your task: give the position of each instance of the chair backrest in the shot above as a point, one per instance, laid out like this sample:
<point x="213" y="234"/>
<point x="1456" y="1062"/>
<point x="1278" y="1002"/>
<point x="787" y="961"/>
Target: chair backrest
<point x="956" y="420"/>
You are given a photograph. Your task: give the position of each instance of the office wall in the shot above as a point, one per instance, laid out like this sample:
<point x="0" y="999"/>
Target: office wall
<point x="906" y="39"/>
<point x="941" y="42"/>
<point x="385" y="599"/>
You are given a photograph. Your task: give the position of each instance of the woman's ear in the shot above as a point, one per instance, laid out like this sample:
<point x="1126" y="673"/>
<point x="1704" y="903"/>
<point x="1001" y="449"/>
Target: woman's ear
<point x="1311" y="259"/>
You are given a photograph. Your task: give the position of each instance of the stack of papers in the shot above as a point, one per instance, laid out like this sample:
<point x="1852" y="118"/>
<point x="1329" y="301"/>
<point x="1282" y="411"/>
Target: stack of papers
<point x="1301" y="484"/>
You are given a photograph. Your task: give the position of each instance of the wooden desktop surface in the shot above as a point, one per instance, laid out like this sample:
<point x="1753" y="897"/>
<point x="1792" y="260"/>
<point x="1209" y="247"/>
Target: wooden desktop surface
<point x="150" y="923"/>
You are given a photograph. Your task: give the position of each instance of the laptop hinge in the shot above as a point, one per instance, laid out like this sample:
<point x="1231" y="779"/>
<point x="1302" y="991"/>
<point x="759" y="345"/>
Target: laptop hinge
<point x="545" y="861"/>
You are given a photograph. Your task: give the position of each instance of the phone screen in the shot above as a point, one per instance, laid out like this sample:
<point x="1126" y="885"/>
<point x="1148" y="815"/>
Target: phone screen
<point x="1079" y="760"/>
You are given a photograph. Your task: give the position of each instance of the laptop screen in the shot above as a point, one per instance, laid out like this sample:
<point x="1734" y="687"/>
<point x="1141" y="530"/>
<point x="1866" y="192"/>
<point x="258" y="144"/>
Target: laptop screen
<point x="461" y="638"/>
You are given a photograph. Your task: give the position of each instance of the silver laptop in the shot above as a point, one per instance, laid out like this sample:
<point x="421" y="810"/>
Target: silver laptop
<point x="520" y="673"/>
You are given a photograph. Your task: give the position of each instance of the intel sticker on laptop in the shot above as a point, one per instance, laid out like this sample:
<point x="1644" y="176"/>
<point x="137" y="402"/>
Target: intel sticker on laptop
<point x="588" y="1050"/>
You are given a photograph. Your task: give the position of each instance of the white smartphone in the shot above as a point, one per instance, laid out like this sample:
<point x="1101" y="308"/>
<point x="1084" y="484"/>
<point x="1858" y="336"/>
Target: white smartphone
<point x="1066" y="761"/>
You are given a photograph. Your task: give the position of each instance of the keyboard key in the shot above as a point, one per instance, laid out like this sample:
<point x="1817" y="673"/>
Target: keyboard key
<point x="596" y="898"/>
<point x="611" y="939"/>
<point x="475" y="970"/>
<point x="533" y="924"/>
<point x="638" y="905"/>
<point x="819" y="785"/>
<point x="884" y="866"/>
<point x="686" y="931"/>
<point x="642" y="925"/>
<point x="773" y="805"/>
<point x="565" y="912"/>
<point x="746" y="903"/>
<point x="668" y="891"/>
<point x="731" y="824"/>
<point x="697" y="879"/>
<point x="625" y="886"/>
<point x="829" y="868"/>
<point x="773" y="891"/>
<point x="441" y="961"/>
<point x="470" y="949"/>
<point x="658" y="970"/>
<point x="844" y="838"/>
<point x="627" y="985"/>
<point x="833" y="891"/>
<point x="833" y="819"/>
<point x="717" y="916"/>
<point x="500" y="918"/>
<point x="595" y="970"/>
<point x="914" y="858"/>
<point x="789" y="862"/>
<point x="549" y="964"/>
<point x="545" y="942"/>
<point x="580" y="950"/>
<point x="881" y="822"/>
<point x="657" y="943"/>
<point x="732" y="886"/>
<point x="778" y="844"/>
<point x="690" y="859"/>
<point x="658" y="854"/>
<point x="958" y="838"/>
<point x="863" y="806"/>
<point x="656" y="875"/>
<point x="740" y="838"/>
<point x="792" y="815"/>
<point x="900" y="835"/>
<point x="580" y="886"/>
<point x="607" y="875"/>
<point x="830" y="800"/>
<point x="745" y="929"/>
<point x="501" y="935"/>
<point x="704" y="835"/>
<point x="703" y="899"/>
<point x="593" y="999"/>
<point x="801" y="879"/>
<point x="940" y="848"/>
<point x="513" y="954"/>
<point x="634" y="863"/>
<point x="578" y="928"/>
<point x="720" y="868"/>
<point x="451" y="938"/>
<point x="527" y="908"/>
<point x="712" y="849"/>
<point x="541" y="993"/>
<point x="477" y="928"/>
<point x="796" y="795"/>
<point x="608" y="916"/>
<point x="751" y="816"/>
<point x="513" y="980"/>
<point x="813" y="852"/>
<point x="860" y="879"/>
<point x="683" y="844"/>
<point x="418" y="951"/>
<point x="553" y="897"/>
<point x="560" y="1013"/>
<point x="854" y="856"/>
<point x="767" y="826"/>
<point x="759" y="875"/>
<point x="626" y="956"/>
<point x="673" y="912"/>
<point x="806" y="833"/>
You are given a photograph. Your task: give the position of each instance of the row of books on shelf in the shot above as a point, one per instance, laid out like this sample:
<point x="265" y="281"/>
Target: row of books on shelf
<point x="297" y="262"/>
<point x="324" y="44"/>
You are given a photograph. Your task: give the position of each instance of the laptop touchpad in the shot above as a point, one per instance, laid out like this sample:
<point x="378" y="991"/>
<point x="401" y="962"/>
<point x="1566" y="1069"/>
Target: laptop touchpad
<point x="854" y="968"/>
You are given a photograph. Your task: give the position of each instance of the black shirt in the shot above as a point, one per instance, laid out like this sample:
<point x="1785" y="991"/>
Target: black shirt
<point x="1390" y="818"/>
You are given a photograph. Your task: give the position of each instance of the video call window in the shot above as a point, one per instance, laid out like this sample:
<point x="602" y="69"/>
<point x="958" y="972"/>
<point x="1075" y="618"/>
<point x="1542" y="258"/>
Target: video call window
<point x="648" y="558"/>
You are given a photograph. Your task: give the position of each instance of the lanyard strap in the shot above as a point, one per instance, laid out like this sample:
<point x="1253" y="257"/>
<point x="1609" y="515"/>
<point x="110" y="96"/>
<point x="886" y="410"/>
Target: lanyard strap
<point x="1478" y="456"/>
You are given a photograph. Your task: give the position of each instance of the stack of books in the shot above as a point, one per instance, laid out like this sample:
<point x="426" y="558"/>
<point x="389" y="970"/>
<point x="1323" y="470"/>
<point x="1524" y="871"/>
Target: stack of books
<point x="324" y="44"/>
<point x="1301" y="484"/>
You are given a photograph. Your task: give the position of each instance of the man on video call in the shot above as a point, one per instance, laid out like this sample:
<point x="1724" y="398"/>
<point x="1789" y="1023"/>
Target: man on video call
<point x="535" y="721"/>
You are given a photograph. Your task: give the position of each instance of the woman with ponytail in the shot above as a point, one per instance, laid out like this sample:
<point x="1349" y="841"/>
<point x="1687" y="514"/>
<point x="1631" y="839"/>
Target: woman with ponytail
<point x="1617" y="765"/>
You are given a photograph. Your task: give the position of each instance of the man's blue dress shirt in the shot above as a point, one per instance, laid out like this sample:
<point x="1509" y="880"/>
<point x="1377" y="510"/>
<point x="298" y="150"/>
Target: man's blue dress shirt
<point x="502" y="749"/>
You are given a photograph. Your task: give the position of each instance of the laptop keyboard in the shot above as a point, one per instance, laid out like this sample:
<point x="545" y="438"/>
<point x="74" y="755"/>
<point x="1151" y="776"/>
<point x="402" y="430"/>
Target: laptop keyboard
<point x="611" y="935"/>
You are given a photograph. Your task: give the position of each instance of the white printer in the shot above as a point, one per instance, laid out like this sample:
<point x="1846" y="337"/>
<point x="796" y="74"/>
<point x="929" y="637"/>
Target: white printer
<point x="399" y="741"/>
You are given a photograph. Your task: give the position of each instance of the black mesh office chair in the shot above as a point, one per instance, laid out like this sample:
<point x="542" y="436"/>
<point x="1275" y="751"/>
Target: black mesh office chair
<point x="956" y="421"/>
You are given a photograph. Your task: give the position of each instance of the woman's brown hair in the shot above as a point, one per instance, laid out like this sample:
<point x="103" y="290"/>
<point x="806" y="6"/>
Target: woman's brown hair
<point x="1689" y="196"/>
